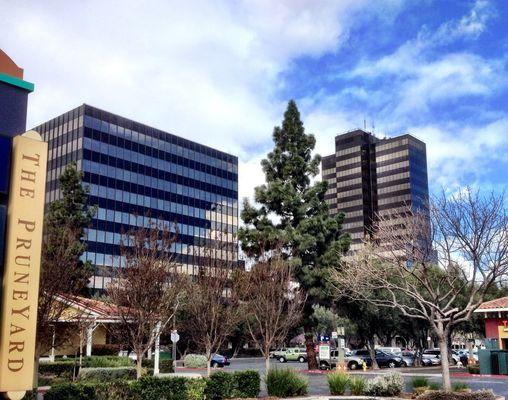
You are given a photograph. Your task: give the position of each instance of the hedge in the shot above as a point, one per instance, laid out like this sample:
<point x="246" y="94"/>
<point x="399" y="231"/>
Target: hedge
<point x="225" y="385"/>
<point x="165" y="366"/>
<point x="153" y="388"/>
<point x="65" y="367"/>
<point x="241" y="384"/>
<point x="442" y="395"/>
<point x="57" y="368"/>
<point x="248" y="383"/>
<point x="105" y="374"/>
<point x="107" y="361"/>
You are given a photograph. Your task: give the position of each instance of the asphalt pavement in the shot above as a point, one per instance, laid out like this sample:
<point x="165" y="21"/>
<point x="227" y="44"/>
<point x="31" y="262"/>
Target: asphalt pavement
<point x="319" y="386"/>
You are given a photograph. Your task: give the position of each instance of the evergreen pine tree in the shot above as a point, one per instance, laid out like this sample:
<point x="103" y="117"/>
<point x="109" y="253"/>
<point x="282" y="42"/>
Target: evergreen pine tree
<point x="62" y="270"/>
<point x="302" y="225"/>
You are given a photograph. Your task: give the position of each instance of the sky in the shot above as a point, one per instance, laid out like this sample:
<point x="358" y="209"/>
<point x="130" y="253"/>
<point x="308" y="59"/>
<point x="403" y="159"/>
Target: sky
<point x="221" y="72"/>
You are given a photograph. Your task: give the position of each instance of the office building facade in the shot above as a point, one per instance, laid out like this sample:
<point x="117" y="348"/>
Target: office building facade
<point x="369" y="177"/>
<point x="132" y="171"/>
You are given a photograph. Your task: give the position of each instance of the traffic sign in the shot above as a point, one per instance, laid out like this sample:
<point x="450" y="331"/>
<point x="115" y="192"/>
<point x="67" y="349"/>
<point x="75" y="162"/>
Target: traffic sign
<point x="175" y="337"/>
<point x="324" y="352"/>
<point x="335" y="335"/>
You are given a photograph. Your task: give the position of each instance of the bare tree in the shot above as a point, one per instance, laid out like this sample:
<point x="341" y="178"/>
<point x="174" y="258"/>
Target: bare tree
<point x="423" y="261"/>
<point x="147" y="291"/>
<point x="213" y="305"/>
<point x="273" y="302"/>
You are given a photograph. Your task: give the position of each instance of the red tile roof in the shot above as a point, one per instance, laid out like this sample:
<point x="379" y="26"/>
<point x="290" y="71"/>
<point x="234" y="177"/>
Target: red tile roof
<point x="500" y="304"/>
<point x="92" y="308"/>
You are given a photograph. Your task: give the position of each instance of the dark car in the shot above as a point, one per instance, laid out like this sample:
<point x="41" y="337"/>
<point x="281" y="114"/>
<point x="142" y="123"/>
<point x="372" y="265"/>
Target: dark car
<point x="219" y="361"/>
<point x="383" y="359"/>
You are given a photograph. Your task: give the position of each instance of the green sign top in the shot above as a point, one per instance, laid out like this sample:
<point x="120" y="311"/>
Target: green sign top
<point x="11" y="80"/>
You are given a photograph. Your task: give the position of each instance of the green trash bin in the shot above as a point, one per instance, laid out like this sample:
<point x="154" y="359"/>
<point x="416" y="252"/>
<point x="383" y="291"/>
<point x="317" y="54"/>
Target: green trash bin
<point x="502" y="362"/>
<point x="485" y="360"/>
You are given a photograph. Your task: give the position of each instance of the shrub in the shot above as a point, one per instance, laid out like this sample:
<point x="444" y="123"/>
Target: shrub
<point x="107" y="374"/>
<point x="220" y="386"/>
<point x="57" y="368"/>
<point x="473" y="369"/>
<point x="460" y="386"/>
<point x="107" y="361"/>
<point x="195" y="388"/>
<point x="69" y="391"/>
<point x="165" y="366"/>
<point x="387" y="385"/>
<point x="337" y="382"/>
<point x="442" y="395"/>
<point x="419" y="391"/>
<point x="195" y="361"/>
<point x="434" y="386"/>
<point x="30" y="395"/>
<point x="247" y="384"/>
<point x="419" y="381"/>
<point x="285" y="383"/>
<point x="153" y="388"/>
<point x="114" y="390"/>
<point x="357" y="385"/>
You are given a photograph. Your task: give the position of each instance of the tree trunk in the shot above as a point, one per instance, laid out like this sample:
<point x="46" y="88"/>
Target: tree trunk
<point x="139" y="363"/>
<point x="267" y="364"/>
<point x="36" y="365"/>
<point x="209" y="366"/>
<point x="372" y="352"/>
<point x="309" y="346"/>
<point x="445" y="365"/>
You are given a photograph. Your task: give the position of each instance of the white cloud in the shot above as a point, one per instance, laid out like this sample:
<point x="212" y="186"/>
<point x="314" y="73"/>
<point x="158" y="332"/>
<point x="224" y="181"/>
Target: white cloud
<point x="404" y="89"/>
<point x="208" y="71"/>
<point x="456" y="151"/>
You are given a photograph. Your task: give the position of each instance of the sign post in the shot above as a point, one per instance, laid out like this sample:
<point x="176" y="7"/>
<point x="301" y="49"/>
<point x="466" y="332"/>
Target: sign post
<point x="341" y="362"/>
<point x="175" y="337"/>
<point x="25" y="215"/>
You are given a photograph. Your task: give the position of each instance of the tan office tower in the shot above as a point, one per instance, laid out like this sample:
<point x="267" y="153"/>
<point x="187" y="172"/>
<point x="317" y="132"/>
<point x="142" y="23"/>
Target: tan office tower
<point x="369" y="177"/>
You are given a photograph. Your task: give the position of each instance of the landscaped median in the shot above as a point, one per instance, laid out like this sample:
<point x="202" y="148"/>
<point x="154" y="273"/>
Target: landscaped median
<point x="113" y="378"/>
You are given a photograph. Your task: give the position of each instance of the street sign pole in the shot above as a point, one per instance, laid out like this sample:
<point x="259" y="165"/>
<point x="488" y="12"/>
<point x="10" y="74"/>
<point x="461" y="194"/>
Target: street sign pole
<point x="175" y="337"/>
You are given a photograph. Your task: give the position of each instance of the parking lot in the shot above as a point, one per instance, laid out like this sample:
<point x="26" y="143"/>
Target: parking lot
<point x="318" y="384"/>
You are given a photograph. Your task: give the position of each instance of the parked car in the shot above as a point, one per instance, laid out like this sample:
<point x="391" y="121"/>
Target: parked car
<point x="431" y="357"/>
<point x="394" y="350"/>
<point x="293" y="354"/>
<point x="219" y="361"/>
<point x="408" y="358"/>
<point x="352" y="362"/>
<point x="383" y="359"/>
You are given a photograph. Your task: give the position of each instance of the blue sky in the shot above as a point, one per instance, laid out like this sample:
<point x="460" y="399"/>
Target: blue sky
<point x="221" y="72"/>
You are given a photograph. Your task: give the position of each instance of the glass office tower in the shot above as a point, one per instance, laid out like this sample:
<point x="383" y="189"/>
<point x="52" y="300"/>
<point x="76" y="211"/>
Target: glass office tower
<point x="133" y="170"/>
<point x="370" y="177"/>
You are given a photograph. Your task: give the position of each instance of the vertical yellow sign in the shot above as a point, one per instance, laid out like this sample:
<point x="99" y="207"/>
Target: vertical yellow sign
<point x="20" y="289"/>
